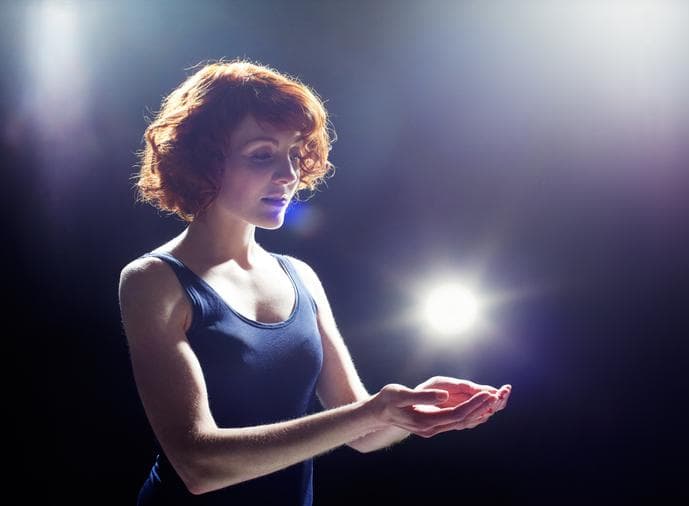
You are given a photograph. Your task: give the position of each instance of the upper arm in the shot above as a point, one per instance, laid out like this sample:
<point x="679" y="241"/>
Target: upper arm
<point x="155" y="314"/>
<point x="339" y="382"/>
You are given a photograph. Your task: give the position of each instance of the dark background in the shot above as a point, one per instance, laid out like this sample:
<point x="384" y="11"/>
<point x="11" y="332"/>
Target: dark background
<point x="537" y="148"/>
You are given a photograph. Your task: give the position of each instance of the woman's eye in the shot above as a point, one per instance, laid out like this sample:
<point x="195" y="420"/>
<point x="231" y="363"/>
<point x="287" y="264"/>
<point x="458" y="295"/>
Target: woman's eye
<point x="262" y="156"/>
<point x="265" y="156"/>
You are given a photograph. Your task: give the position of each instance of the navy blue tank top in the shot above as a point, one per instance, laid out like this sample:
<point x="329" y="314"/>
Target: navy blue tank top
<point x="255" y="373"/>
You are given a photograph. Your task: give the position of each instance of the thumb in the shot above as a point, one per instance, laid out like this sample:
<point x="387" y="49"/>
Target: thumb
<point x="429" y="396"/>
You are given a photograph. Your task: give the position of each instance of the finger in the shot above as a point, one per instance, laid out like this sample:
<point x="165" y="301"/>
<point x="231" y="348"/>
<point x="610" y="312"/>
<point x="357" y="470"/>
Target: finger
<point x="494" y="390"/>
<point x="444" y="416"/>
<point x="435" y="430"/>
<point x="439" y="382"/>
<point x="430" y="396"/>
<point x="481" y="400"/>
<point x="423" y="422"/>
<point x="457" y="385"/>
<point x="488" y="388"/>
<point x="490" y="407"/>
<point x="487" y="408"/>
<point x="471" y="425"/>
<point x="473" y="422"/>
<point x="476" y="387"/>
<point x="427" y="419"/>
<point x="500" y="406"/>
<point x="504" y="395"/>
<point x="503" y="392"/>
<point x="476" y="421"/>
<point x="470" y="387"/>
<point x="455" y="426"/>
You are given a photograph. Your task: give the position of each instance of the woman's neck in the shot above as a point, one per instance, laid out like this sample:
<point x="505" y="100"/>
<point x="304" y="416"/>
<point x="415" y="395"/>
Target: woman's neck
<point x="210" y="240"/>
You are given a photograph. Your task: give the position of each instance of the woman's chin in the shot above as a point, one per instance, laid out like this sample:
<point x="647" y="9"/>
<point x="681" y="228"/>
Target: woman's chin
<point x="271" y="224"/>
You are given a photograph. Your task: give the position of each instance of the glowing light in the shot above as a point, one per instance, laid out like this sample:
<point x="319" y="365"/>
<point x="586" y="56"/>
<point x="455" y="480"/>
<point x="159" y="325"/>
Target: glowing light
<point x="57" y="98"/>
<point x="303" y="218"/>
<point x="54" y="46"/>
<point x="451" y="309"/>
<point x="632" y="47"/>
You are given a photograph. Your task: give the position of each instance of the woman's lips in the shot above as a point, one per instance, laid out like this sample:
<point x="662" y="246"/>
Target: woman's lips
<point x="275" y="201"/>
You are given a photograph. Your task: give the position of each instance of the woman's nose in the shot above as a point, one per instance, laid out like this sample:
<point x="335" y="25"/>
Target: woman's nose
<point x="287" y="171"/>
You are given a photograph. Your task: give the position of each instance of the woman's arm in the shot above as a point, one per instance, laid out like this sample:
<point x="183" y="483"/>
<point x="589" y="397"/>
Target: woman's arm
<point x="156" y="315"/>
<point x="339" y="382"/>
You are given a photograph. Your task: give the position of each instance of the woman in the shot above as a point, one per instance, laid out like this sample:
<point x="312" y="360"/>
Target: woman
<point x="231" y="344"/>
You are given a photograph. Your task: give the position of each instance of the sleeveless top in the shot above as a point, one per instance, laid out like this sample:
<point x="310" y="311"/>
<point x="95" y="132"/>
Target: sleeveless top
<point x="255" y="373"/>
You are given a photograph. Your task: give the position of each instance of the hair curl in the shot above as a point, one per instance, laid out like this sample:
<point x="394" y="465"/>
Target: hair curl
<point x="187" y="142"/>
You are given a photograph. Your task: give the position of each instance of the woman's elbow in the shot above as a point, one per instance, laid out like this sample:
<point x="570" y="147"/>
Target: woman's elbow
<point x="200" y="474"/>
<point x="200" y="478"/>
<point x="195" y="487"/>
<point x="193" y="477"/>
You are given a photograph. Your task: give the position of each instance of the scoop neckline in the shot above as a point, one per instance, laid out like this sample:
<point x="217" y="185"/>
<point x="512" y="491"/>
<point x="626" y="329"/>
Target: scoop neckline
<point x="244" y="318"/>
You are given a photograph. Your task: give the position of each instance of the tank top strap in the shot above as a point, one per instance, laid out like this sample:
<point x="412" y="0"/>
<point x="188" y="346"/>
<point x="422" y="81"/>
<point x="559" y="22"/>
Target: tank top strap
<point x="286" y="264"/>
<point x="189" y="282"/>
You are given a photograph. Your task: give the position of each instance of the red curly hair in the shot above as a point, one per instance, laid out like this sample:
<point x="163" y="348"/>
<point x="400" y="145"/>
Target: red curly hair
<point x="188" y="141"/>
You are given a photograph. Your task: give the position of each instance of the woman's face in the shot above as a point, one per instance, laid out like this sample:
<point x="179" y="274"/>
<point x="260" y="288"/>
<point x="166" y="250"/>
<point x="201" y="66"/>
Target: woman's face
<point x="261" y="174"/>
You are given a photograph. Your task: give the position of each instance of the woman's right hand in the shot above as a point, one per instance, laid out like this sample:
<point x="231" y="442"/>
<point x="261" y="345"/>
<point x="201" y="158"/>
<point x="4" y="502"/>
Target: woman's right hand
<point x="403" y="407"/>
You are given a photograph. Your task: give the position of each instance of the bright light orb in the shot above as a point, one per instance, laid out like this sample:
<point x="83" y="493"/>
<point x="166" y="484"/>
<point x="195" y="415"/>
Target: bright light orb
<point x="451" y="309"/>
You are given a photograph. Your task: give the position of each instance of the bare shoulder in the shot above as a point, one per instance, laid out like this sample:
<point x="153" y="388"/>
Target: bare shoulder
<point x="149" y="294"/>
<point x="313" y="285"/>
<point x="146" y="274"/>
<point x="307" y="274"/>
